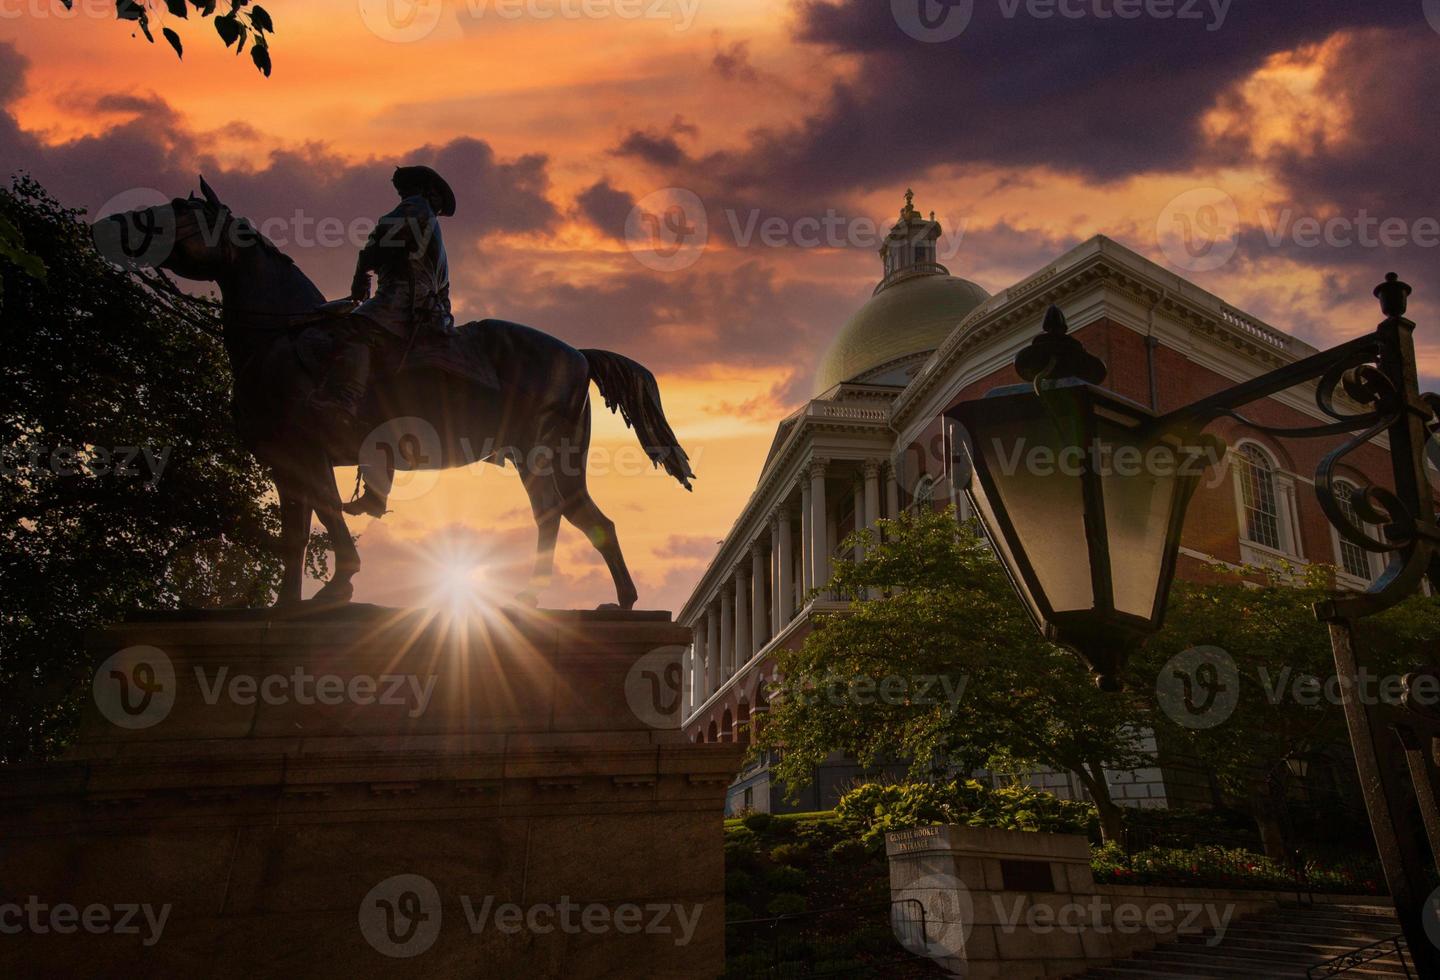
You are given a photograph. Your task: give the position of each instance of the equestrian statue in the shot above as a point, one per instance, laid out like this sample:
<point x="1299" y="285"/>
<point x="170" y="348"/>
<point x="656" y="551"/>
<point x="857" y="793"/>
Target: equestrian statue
<point x="387" y="381"/>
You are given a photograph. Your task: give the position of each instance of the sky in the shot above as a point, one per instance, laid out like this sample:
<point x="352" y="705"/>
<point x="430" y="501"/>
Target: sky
<point x="1276" y="152"/>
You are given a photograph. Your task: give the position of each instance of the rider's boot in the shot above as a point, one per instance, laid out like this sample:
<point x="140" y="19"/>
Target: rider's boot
<point x="368" y="504"/>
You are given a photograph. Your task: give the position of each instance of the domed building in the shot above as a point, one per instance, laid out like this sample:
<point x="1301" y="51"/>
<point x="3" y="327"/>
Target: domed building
<point x="873" y="441"/>
<point x="914" y="307"/>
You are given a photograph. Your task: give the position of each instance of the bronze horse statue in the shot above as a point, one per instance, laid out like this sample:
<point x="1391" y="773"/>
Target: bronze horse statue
<point x="538" y="420"/>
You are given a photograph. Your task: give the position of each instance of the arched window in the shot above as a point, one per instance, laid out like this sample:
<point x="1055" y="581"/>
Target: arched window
<point x="1259" y="503"/>
<point x="923" y="497"/>
<point x="1353" y="559"/>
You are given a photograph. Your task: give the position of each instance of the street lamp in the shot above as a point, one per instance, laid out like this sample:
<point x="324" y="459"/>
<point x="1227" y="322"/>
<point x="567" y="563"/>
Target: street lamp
<point x="1091" y="548"/>
<point x="1082" y="495"/>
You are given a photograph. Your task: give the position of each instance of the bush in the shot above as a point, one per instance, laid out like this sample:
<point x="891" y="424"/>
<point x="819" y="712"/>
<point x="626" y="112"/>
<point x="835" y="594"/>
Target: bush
<point x="738" y="911"/>
<point x="873" y="809"/>
<point x="757" y="822"/>
<point x="787" y="905"/>
<point x="783" y="879"/>
<point x="849" y="851"/>
<point x="791" y="854"/>
<point x="737" y="884"/>
<point x="1211" y="866"/>
<point x="741" y="854"/>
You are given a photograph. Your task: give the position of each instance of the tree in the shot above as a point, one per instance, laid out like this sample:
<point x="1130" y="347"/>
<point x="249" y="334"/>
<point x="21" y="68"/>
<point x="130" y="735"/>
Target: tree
<point x="1251" y="681"/>
<point x="241" y="23"/>
<point x="945" y="669"/>
<point x="122" y="484"/>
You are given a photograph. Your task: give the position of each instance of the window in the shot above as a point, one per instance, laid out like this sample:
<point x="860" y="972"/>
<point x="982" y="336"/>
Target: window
<point x="924" y="495"/>
<point x="1258" y="501"/>
<point x="1354" y="560"/>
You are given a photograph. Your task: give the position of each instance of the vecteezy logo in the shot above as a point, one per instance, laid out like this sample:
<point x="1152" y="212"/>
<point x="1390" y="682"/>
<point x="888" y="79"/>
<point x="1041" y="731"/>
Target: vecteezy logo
<point x="655" y="685"/>
<point x="933" y="21"/>
<point x="667" y="230"/>
<point x="401" y="21"/>
<point x="135" y="228"/>
<point x="941" y="932"/>
<point x="1432" y="14"/>
<point x="400" y="917"/>
<point x="408" y="444"/>
<point x="135" y="688"/>
<point x="1199" y="230"/>
<point x="1199" y="687"/>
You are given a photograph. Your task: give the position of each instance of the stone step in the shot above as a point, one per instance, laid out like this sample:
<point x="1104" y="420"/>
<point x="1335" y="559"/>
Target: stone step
<point x="1279" y="943"/>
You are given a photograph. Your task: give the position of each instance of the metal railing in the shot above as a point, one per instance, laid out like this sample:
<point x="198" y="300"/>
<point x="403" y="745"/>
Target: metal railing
<point x="1359" y="956"/>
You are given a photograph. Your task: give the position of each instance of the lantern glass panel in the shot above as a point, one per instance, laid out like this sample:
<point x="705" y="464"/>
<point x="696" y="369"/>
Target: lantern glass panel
<point x="1043" y="499"/>
<point x="1138" y="482"/>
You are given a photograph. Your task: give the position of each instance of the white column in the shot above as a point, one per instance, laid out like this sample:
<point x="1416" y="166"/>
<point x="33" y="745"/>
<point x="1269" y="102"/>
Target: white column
<point x="775" y="623"/>
<point x="785" y="609"/>
<point x="819" y="525"/>
<point x="687" y="674"/>
<point x="807" y="563"/>
<point x="860" y="521"/>
<point x="758" y="632"/>
<point x="872" y="492"/>
<point x="727" y="631"/>
<point x="892" y="492"/>
<point x="712" y="651"/>
<point x="742" y="617"/>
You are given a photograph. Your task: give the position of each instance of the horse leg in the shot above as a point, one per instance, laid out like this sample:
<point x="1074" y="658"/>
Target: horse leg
<point x="581" y="511"/>
<point x="347" y="557"/>
<point x="294" y="535"/>
<point x="545" y="505"/>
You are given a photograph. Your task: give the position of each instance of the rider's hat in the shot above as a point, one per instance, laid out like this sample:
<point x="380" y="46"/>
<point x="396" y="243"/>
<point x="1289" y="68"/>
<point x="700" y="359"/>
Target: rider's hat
<point x="424" y="178"/>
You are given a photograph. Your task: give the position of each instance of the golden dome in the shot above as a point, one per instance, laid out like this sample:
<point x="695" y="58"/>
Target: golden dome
<point x="908" y="317"/>
<point x="913" y="309"/>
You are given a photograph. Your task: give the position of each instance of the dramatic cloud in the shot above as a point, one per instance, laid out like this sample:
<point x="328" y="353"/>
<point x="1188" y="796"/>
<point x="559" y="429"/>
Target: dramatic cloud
<point x="605" y="207"/>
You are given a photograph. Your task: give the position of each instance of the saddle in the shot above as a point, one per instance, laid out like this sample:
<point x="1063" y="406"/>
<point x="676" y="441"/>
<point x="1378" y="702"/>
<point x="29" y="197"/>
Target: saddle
<point x="461" y="354"/>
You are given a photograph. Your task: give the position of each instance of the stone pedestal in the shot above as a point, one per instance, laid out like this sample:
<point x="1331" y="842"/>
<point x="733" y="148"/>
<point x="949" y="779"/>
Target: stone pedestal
<point x="374" y="792"/>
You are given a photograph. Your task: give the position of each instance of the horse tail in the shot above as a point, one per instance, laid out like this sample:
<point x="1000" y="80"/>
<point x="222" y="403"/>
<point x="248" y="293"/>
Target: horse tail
<point x="631" y="389"/>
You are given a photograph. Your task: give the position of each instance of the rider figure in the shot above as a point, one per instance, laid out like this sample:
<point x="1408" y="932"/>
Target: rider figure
<point x="407" y="254"/>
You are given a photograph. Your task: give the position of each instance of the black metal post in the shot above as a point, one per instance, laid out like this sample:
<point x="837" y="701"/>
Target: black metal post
<point x="1392" y="816"/>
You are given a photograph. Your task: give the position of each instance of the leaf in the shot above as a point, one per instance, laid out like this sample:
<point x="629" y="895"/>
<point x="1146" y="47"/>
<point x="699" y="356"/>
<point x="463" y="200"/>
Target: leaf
<point x="260" y="54"/>
<point x="174" y="40"/>
<point x="243" y="36"/>
<point x="228" y="28"/>
<point x="206" y="7"/>
<point x="260" y="20"/>
<point x="177" y="8"/>
<point x="128" y="10"/>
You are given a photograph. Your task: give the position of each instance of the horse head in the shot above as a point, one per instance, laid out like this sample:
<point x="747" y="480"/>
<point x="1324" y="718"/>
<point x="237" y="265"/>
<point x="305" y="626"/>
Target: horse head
<point x="193" y="237"/>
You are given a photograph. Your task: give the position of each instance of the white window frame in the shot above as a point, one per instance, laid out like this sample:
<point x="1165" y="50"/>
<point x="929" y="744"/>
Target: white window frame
<point x="1286" y="520"/>
<point x="1374" y="560"/>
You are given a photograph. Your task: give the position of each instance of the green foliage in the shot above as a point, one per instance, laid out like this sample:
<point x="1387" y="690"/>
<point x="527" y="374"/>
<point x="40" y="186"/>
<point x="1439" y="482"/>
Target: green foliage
<point x="756" y="821"/>
<point x="787" y="904"/>
<point x="945" y="669"/>
<point x="1213" y="866"/>
<point x="1264" y="621"/>
<point x="873" y="809"/>
<point x="785" y="879"/>
<point x="737" y="884"/>
<point x="796" y="855"/>
<point x="242" y="22"/>
<point x="95" y="361"/>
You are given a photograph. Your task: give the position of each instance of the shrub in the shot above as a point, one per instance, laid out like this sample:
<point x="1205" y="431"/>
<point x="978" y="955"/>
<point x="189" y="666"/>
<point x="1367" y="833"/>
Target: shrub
<point x="738" y="911"/>
<point x="849" y="851"/>
<point x="737" y="884"/>
<point x="787" y="905"/>
<point x="873" y="809"/>
<point x="758" y="822"/>
<point x="784" y="879"/>
<point x="741" y="854"/>
<point x="1210" y="866"/>
<point x="791" y="854"/>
